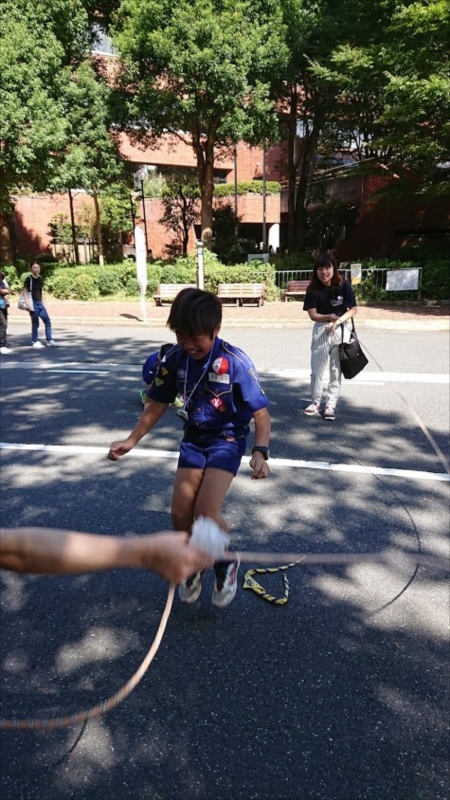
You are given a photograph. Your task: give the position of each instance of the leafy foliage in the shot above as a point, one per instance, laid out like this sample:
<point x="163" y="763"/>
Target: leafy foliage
<point x="246" y="187"/>
<point x="180" y="197"/>
<point x="201" y="66"/>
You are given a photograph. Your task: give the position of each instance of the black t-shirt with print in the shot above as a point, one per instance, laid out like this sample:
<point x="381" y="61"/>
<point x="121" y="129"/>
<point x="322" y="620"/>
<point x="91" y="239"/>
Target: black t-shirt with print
<point x="331" y="299"/>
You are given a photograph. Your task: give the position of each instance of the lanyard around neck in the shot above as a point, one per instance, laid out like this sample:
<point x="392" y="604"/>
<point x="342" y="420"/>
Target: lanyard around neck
<point x="205" y="369"/>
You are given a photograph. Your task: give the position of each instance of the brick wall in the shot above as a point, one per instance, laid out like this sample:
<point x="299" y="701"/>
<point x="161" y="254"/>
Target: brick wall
<point x="34" y="213"/>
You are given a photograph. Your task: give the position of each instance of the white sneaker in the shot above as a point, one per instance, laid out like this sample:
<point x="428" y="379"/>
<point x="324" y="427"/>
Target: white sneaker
<point x="37" y="345"/>
<point x="51" y="343"/>
<point x="5" y="351"/>
<point x="225" y="584"/>
<point x="190" y="590"/>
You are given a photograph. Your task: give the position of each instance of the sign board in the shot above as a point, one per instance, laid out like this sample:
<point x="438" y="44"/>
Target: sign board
<point x="141" y="258"/>
<point x="402" y="280"/>
<point x="356" y="272"/>
<point x="264" y="257"/>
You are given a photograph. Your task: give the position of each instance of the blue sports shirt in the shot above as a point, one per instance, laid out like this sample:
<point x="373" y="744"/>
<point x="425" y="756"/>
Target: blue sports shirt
<point x="221" y="392"/>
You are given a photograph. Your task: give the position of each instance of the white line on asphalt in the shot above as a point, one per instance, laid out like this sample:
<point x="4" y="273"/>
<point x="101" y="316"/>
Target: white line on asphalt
<point x="366" y="377"/>
<point x="85" y="371"/>
<point x="377" y="377"/>
<point x="414" y="475"/>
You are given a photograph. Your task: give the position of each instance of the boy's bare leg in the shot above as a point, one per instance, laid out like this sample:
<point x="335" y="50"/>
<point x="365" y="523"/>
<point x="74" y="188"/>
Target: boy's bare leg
<point x="198" y="492"/>
<point x="213" y="489"/>
<point x="211" y="494"/>
<point x="184" y="497"/>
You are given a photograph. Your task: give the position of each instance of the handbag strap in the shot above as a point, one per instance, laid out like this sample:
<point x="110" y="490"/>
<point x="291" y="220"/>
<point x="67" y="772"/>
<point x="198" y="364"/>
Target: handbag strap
<point x="342" y="330"/>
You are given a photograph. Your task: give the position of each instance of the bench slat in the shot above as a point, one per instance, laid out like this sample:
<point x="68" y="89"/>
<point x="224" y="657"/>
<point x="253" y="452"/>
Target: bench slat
<point x="168" y="291"/>
<point x="242" y="291"/>
<point x="295" y="289"/>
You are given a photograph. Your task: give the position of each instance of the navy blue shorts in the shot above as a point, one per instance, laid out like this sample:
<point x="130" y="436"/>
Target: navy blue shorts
<point x="200" y="450"/>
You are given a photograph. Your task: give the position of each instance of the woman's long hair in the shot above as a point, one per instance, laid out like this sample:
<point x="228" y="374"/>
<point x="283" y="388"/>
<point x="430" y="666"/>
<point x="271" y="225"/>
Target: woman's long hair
<point x="315" y="284"/>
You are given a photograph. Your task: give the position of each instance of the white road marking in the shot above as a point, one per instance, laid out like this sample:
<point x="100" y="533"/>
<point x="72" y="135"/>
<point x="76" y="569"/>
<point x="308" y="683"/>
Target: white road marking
<point x="377" y="377"/>
<point x="85" y="371"/>
<point x="410" y="474"/>
<point x="371" y="378"/>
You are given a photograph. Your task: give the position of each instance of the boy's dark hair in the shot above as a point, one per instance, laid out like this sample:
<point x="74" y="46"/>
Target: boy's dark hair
<point x="195" y="312"/>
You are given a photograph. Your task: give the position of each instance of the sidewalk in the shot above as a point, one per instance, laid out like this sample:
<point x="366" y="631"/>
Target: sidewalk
<point x="67" y="313"/>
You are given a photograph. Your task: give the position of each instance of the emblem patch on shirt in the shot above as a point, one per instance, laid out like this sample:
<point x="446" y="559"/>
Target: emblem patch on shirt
<point x="218" y="404"/>
<point x="159" y="382"/>
<point x="164" y="371"/>
<point x="220" y="365"/>
<point x="218" y="378"/>
<point x="181" y="373"/>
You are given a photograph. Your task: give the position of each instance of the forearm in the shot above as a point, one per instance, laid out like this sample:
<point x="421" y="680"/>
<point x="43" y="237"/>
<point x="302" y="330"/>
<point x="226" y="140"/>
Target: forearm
<point x="46" y="551"/>
<point x="263" y="427"/>
<point x="347" y="315"/>
<point x="53" y="552"/>
<point x="316" y="317"/>
<point x="147" y="421"/>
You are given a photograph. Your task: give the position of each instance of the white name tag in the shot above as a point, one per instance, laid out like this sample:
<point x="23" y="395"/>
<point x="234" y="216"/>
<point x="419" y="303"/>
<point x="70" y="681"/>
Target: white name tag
<point x="218" y="378"/>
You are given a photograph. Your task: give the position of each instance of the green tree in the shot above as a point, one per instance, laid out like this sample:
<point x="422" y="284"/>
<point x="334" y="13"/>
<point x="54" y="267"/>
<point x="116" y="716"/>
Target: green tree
<point x="38" y="44"/>
<point x="180" y="196"/>
<point x="314" y="123"/>
<point x="416" y="109"/>
<point x="371" y="79"/>
<point x="90" y="159"/>
<point x="201" y="72"/>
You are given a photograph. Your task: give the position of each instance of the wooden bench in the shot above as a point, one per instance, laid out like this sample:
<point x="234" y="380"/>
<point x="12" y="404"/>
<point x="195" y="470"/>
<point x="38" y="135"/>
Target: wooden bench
<point x="295" y="289"/>
<point x="167" y="292"/>
<point x="242" y="291"/>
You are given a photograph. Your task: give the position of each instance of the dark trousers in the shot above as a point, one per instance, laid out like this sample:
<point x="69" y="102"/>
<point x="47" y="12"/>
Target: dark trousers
<point x="40" y="312"/>
<point x="3" y="326"/>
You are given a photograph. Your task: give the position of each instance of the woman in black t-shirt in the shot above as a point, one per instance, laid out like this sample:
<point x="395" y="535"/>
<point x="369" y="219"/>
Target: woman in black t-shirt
<point x="330" y="302"/>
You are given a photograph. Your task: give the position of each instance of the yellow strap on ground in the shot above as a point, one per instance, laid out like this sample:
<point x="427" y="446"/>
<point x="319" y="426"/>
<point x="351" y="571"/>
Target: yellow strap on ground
<point x="251" y="583"/>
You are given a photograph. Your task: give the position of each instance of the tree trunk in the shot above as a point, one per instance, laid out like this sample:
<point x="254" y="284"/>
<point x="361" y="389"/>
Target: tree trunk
<point x="310" y="145"/>
<point x="6" y="252"/>
<point x="98" y="229"/>
<point x="185" y="226"/>
<point x="6" y="223"/>
<point x="293" y="161"/>
<point x="204" y="152"/>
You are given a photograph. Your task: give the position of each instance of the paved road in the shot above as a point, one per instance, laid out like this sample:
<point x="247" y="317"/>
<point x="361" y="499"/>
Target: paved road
<point x="341" y="694"/>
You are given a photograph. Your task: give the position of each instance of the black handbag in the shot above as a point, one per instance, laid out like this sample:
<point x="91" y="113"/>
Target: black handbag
<point x="351" y="355"/>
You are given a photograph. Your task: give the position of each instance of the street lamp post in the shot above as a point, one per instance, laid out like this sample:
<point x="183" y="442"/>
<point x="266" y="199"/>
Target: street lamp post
<point x="144" y="215"/>
<point x="74" y="231"/>
<point x="141" y="266"/>
<point x="264" y="203"/>
<point x="236" y="228"/>
<point x="200" y="264"/>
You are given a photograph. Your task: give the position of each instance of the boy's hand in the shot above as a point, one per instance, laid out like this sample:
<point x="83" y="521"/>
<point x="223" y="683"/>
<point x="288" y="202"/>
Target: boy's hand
<point x="118" y="449"/>
<point x="259" y="466"/>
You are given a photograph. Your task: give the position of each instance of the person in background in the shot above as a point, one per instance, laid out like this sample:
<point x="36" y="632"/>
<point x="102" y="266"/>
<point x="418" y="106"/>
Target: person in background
<point x="330" y="303"/>
<point x="149" y="370"/>
<point x="33" y="287"/>
<point x="4" y="292"/>
<point x="221" y="394"/>
<point x="54" y="552"/>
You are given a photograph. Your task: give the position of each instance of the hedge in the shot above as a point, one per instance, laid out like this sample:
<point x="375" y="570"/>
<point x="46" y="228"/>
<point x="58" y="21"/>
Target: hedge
<point x="91" y="281"/>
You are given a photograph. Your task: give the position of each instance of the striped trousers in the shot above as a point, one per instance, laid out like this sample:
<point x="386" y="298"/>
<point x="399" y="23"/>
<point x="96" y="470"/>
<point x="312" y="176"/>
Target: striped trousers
<point x="324" y="348"/>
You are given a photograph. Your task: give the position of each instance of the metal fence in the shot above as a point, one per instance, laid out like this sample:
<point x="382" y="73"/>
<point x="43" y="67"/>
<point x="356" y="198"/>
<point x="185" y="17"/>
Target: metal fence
<point x="377" y="277"/>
